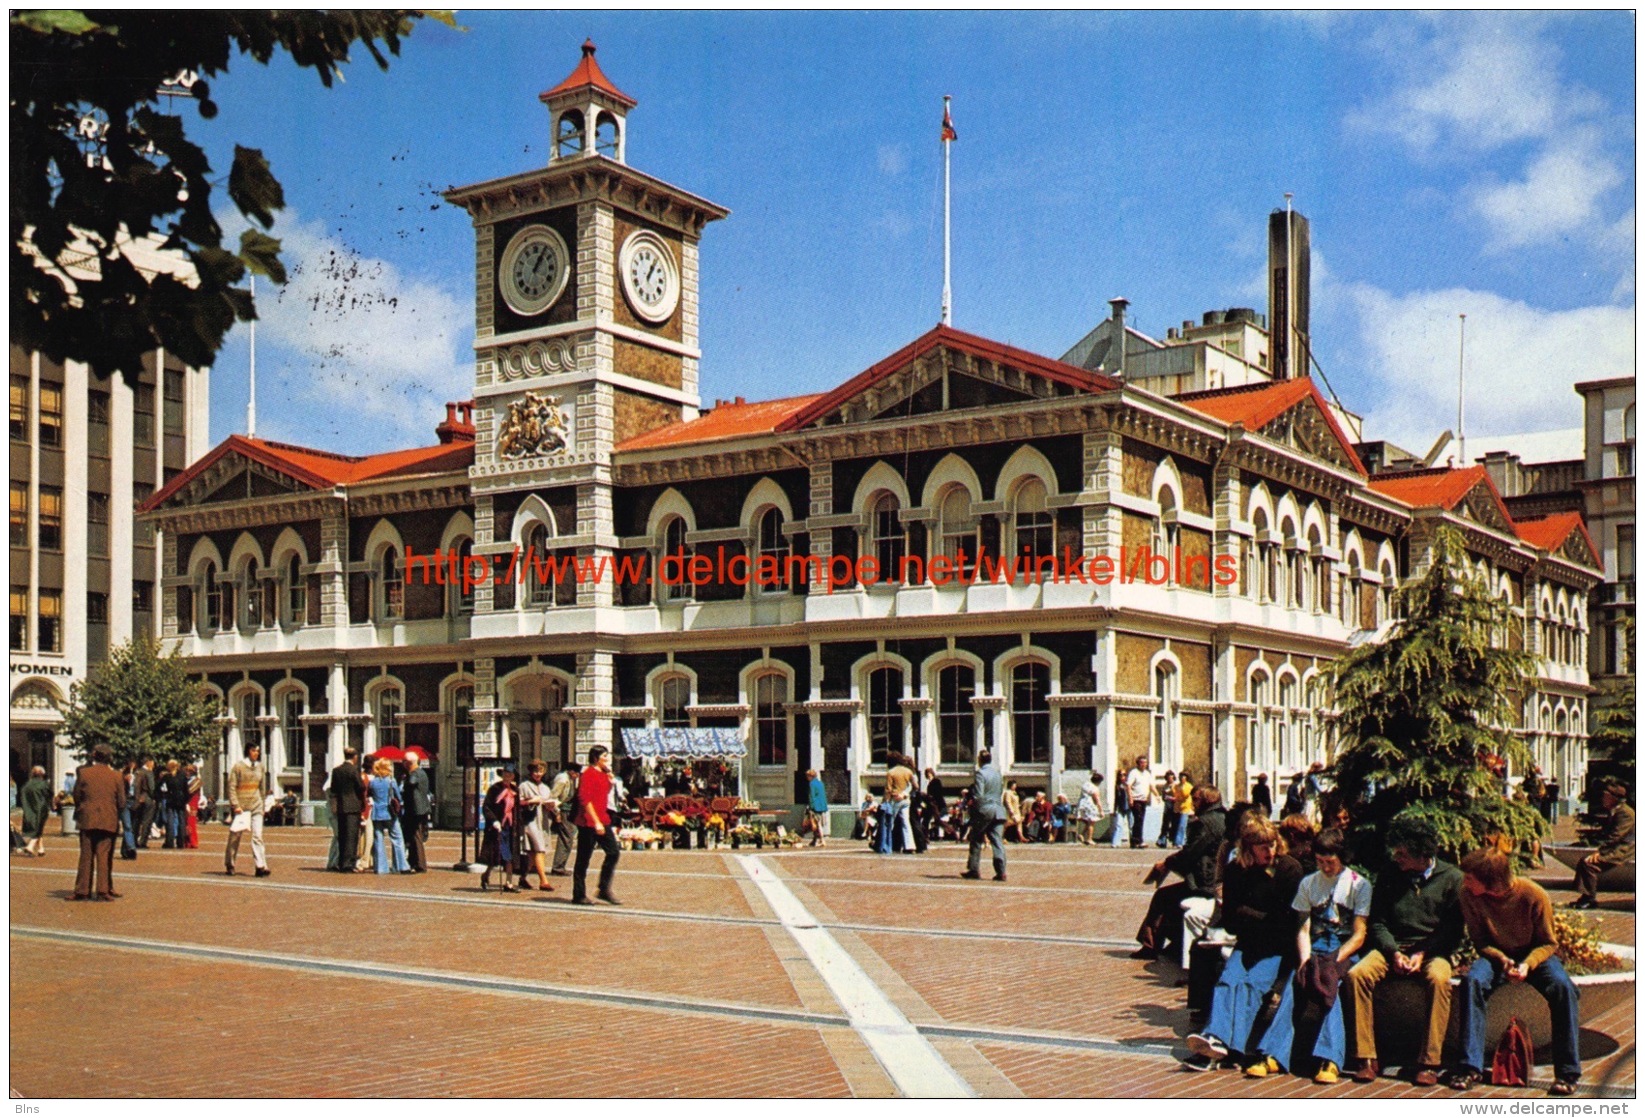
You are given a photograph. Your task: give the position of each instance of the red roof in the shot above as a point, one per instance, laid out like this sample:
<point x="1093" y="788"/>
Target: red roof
<point x="726" y="421"/>
<point x="1549" y="533"/>
<point x="1254" y="406"/>
<point x="588" y="73"/>
<point x="953" y="339"/>
<point x="320" y="469"/>
<point x="1443" y="487"/>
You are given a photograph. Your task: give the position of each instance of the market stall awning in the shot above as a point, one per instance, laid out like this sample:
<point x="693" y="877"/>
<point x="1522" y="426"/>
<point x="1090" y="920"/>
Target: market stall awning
<point x="684" y="741"/>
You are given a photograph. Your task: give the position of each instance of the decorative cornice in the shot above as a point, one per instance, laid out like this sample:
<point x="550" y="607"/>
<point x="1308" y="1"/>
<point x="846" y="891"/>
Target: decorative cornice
<point x="828" y="706"/>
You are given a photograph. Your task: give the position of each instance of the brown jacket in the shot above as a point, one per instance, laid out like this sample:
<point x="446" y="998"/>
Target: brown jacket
<point x="99" y="796"/>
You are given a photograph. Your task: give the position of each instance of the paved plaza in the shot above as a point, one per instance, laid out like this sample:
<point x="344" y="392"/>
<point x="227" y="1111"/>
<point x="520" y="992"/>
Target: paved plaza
<point x="801" y="973"/>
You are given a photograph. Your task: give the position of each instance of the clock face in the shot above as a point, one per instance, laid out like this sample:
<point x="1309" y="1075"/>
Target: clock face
<point x="650" y="278"/>
<point x="534" y="270"/>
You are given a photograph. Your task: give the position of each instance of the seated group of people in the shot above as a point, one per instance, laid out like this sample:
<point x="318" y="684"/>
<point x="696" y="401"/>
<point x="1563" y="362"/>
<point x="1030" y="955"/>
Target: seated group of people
<point x="1307" y="932"/>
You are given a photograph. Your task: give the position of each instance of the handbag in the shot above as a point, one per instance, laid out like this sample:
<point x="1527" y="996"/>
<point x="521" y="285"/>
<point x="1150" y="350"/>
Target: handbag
<point x="1511" y="1065"/>
<point x="241" y="824"/>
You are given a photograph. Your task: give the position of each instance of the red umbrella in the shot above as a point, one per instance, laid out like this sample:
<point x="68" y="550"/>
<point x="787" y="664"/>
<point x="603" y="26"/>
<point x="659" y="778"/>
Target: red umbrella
<point x="418" y="752"/>
<point x="390" y="753"/>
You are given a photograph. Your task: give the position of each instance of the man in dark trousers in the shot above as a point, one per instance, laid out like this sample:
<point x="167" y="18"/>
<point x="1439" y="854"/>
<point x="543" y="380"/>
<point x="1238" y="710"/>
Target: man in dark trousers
<point x="987" y="817"/>
<point x="1616" y="843"/>
<point x="142" y="793"/>
<point x="417" y="804"/>
<point x="344" y="796"/>
<point x="99" y="797"/>
<point x="564" y="792"/>
<point x="594" y="828"/>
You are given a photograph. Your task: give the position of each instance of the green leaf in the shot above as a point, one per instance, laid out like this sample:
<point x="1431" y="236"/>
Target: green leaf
<point x="217" y="267"/>
<point x="47" y="21"/>
<point x="261" y="254"/>
<point x="253" y="187"/>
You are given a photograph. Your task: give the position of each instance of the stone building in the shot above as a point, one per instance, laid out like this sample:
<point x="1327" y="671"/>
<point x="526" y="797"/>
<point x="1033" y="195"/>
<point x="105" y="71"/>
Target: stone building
<point x="1191" y="536"/>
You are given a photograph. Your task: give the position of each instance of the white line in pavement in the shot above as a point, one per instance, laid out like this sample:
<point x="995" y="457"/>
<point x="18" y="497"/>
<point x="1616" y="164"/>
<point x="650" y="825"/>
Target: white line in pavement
<point x="917" y="1068"/>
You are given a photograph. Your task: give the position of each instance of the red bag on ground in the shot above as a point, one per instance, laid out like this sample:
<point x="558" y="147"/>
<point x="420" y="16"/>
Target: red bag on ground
<point x="1511" y="1066"/>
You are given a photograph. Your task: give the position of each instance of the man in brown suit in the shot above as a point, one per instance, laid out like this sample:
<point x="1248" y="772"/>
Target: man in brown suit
<point x="99" y="797"/>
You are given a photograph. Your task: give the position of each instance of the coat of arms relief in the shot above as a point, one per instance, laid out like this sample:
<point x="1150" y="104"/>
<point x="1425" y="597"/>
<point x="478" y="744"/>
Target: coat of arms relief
<point x="536" y="426"/>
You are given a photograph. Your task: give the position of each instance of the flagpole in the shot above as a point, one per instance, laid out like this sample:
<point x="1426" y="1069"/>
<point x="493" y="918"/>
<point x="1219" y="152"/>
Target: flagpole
<point x="251" y="399"/>
<point x="947" y="289"/>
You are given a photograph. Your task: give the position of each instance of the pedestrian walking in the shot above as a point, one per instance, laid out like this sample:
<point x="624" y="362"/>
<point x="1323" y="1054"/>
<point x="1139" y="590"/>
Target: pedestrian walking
<point x="1088" y="812"/>
<point x="36" y="800"/>
<point x="418" y="805"/>
<point x="385" y="818"/>
<point x="497" y="848"/>
<point x="191" y="820"/>
<point x="817" y="805"/>
<point x="173" y="793"/>
<point x="99" y="794"/>
<point x="987" y="817"/>
<point x="534" y="803"/>
<point x="594" y="828"/>
<point x="345" y="797"/>
<point x="564" y="793"/>
<point x="245" y="811"/>
<point x="144" y="789"/>
<point x="128" y="830"/>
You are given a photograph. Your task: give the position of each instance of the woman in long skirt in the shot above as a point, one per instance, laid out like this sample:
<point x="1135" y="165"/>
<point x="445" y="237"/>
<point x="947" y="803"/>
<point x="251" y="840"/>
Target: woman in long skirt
<point x="497" y="849"/>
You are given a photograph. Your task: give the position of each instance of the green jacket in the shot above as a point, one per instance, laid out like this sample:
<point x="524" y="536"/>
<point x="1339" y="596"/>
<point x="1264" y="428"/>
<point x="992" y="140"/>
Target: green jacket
<point x="1616" y="841"/>
<point x="35" y="799"/>
<point x="1423" y="916"/>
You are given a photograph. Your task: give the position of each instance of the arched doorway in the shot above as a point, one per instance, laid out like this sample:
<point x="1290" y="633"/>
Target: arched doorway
<point x="34" y="719"/>
<point x="538" y="726"/>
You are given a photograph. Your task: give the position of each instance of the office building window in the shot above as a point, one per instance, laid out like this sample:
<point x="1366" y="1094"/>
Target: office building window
<point x="174" y="401"/>
<point x="19" y="618"/>
<point x="1624" y="552"/>
<point x="142" y="415"/>
<point x="19" y="514"/>
<point x="97" y="423"/>
<point x="142" y="596"/>
<point x="97" y="627"/>
<point x="51" y="621"/>
<point x="142" y="531"/>
<point x="51" y="415"/>
<point x="51" y="518"/>
<point x="20" y="408"/>
<point x="97" y="525"/>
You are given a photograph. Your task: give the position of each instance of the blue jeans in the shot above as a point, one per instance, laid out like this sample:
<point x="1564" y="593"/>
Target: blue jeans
<point x="176" y="825"/>
<point x="1182" y="829"/>
<point x="1238" y="996"/>
<point x="1122" y="827"/>
<point x="890" y="838"/>
<point x="1333" y="1037"/>
<point x="1549" y="980"/>
<point x="390" y="829"/>
<point x="128" y="837"/>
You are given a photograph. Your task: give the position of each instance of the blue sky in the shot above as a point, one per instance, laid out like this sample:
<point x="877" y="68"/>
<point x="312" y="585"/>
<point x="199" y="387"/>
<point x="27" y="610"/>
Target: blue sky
<point x="1452" y="163"/>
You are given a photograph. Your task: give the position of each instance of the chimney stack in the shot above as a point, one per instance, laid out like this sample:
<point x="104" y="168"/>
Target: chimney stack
<point x="1116" y="343"/>
<point x="1288" y="258"/>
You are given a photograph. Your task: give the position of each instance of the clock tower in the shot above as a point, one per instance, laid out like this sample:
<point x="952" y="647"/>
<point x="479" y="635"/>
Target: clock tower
<point x="585" y="304"/>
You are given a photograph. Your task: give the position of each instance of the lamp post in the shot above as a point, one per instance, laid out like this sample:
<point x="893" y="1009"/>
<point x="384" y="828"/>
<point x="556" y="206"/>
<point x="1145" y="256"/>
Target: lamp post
<point x="465" y="864"/>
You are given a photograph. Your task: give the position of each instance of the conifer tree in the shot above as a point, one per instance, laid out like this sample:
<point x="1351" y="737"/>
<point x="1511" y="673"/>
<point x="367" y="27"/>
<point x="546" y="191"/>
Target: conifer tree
<point x="1422" y="710"/>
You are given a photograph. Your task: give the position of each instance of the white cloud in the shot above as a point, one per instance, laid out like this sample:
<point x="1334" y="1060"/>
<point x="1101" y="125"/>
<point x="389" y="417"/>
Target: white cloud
<point x="1521" y="361"/>
<point x="1559" y="195"/>
<point x="353" y="337"/>
<point x="893" y="160"/>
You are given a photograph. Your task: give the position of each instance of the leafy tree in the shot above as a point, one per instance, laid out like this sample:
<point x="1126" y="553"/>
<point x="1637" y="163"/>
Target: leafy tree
<point x="1422" y="709"/>
<point x="1613" y="735"/>
<point x="97" y="165"/>
<point x="141" y="702"/>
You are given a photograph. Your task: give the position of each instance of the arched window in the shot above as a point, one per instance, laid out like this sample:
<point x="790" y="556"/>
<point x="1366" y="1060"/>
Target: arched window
<point x="212" y="595"/>
<point x="956" y="721"/>
<point x="890" y="540"/>
<point x="1267" y="561"/>
<point x="292" y="734"/>
<point x="673" y="696"/>
<point x="251" y="733"/>
<point x="607" y="136"/>
<point x="251" y="597"/>
<point x="1284" y="757"/>
<point x="959" y="530"/>
<point x="1293" y="565"/>
<point x="773" y="549"/>
<point x="1385" y="594"/>
<point x="386" y="717"/>
<point x="1259" y="725"/>
<point x="1350" y="592"/>
<point x="1319" y="578"/>
<point x="771" y="718"/>
<point x="296" y="592"/>
<point x="394" y="586"/>
<point x="671" y="562"/>
<point x="885" y="692"/>
<point x="462" y="721"/>
<point x="463" y="591"/>
<point x="568" y="134"/>
<point x="1034" y="531"/>
<point x="1030" y="713"/>
<point x="1164" y="536"/>
<point x="1165" y="714"/>
<point x="539" y="591"/>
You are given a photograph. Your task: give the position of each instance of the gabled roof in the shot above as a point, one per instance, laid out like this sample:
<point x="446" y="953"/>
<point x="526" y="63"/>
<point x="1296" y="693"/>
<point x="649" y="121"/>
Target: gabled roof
<point x="947" y="336"/>
<point x="319" y="469"/>
<point x="588" y="73"/>
<point x="1254" y="406"/>
<point x="1550" y="533"/>
<point x="725" y="421"/>
<point x="1443" y="488"/>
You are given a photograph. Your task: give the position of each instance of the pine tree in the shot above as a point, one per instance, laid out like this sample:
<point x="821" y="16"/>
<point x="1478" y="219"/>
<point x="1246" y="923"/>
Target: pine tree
<point x="1421" y="710"/>
<point x="141" y="703"/>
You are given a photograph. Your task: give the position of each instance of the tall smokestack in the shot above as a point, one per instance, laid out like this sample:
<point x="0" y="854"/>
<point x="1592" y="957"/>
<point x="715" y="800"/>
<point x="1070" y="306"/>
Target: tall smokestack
<point x="1116" y="344"/>
<point x="1288" y="258"/>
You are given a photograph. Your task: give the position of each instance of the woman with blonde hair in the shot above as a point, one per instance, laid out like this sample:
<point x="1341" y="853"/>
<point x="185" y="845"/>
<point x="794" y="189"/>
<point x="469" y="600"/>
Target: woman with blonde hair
<point x="1257" y="889"/>
<point x="384" y="797"/>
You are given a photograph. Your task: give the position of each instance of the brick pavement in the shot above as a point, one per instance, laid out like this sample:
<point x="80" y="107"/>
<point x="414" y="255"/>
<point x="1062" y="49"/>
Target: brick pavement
<point x="1024" y="989"/>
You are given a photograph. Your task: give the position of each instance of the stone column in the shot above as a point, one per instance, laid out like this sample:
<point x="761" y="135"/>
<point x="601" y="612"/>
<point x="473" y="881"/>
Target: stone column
<point x="333" y="569"/>
<point x="1105" y="739"/>
<point x="596" y="684"/>
<point x="1222" y="722"/>
<point x="822" y="504"/>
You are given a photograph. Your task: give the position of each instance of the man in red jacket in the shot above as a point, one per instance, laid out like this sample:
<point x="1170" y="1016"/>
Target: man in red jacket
<point x="594" y="827"/>
<point x="99" y="797"/>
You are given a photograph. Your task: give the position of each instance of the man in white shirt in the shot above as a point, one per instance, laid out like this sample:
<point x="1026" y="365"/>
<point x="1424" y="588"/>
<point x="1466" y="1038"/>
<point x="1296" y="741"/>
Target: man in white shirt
<point x="1140" y="783"/>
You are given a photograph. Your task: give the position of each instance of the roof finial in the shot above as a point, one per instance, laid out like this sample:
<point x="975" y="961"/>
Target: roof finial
<point x="588" y="48"/>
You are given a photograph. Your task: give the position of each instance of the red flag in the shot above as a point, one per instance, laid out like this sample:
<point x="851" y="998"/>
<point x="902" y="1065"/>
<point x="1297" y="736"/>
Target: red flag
<point x="948" y="132"/>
